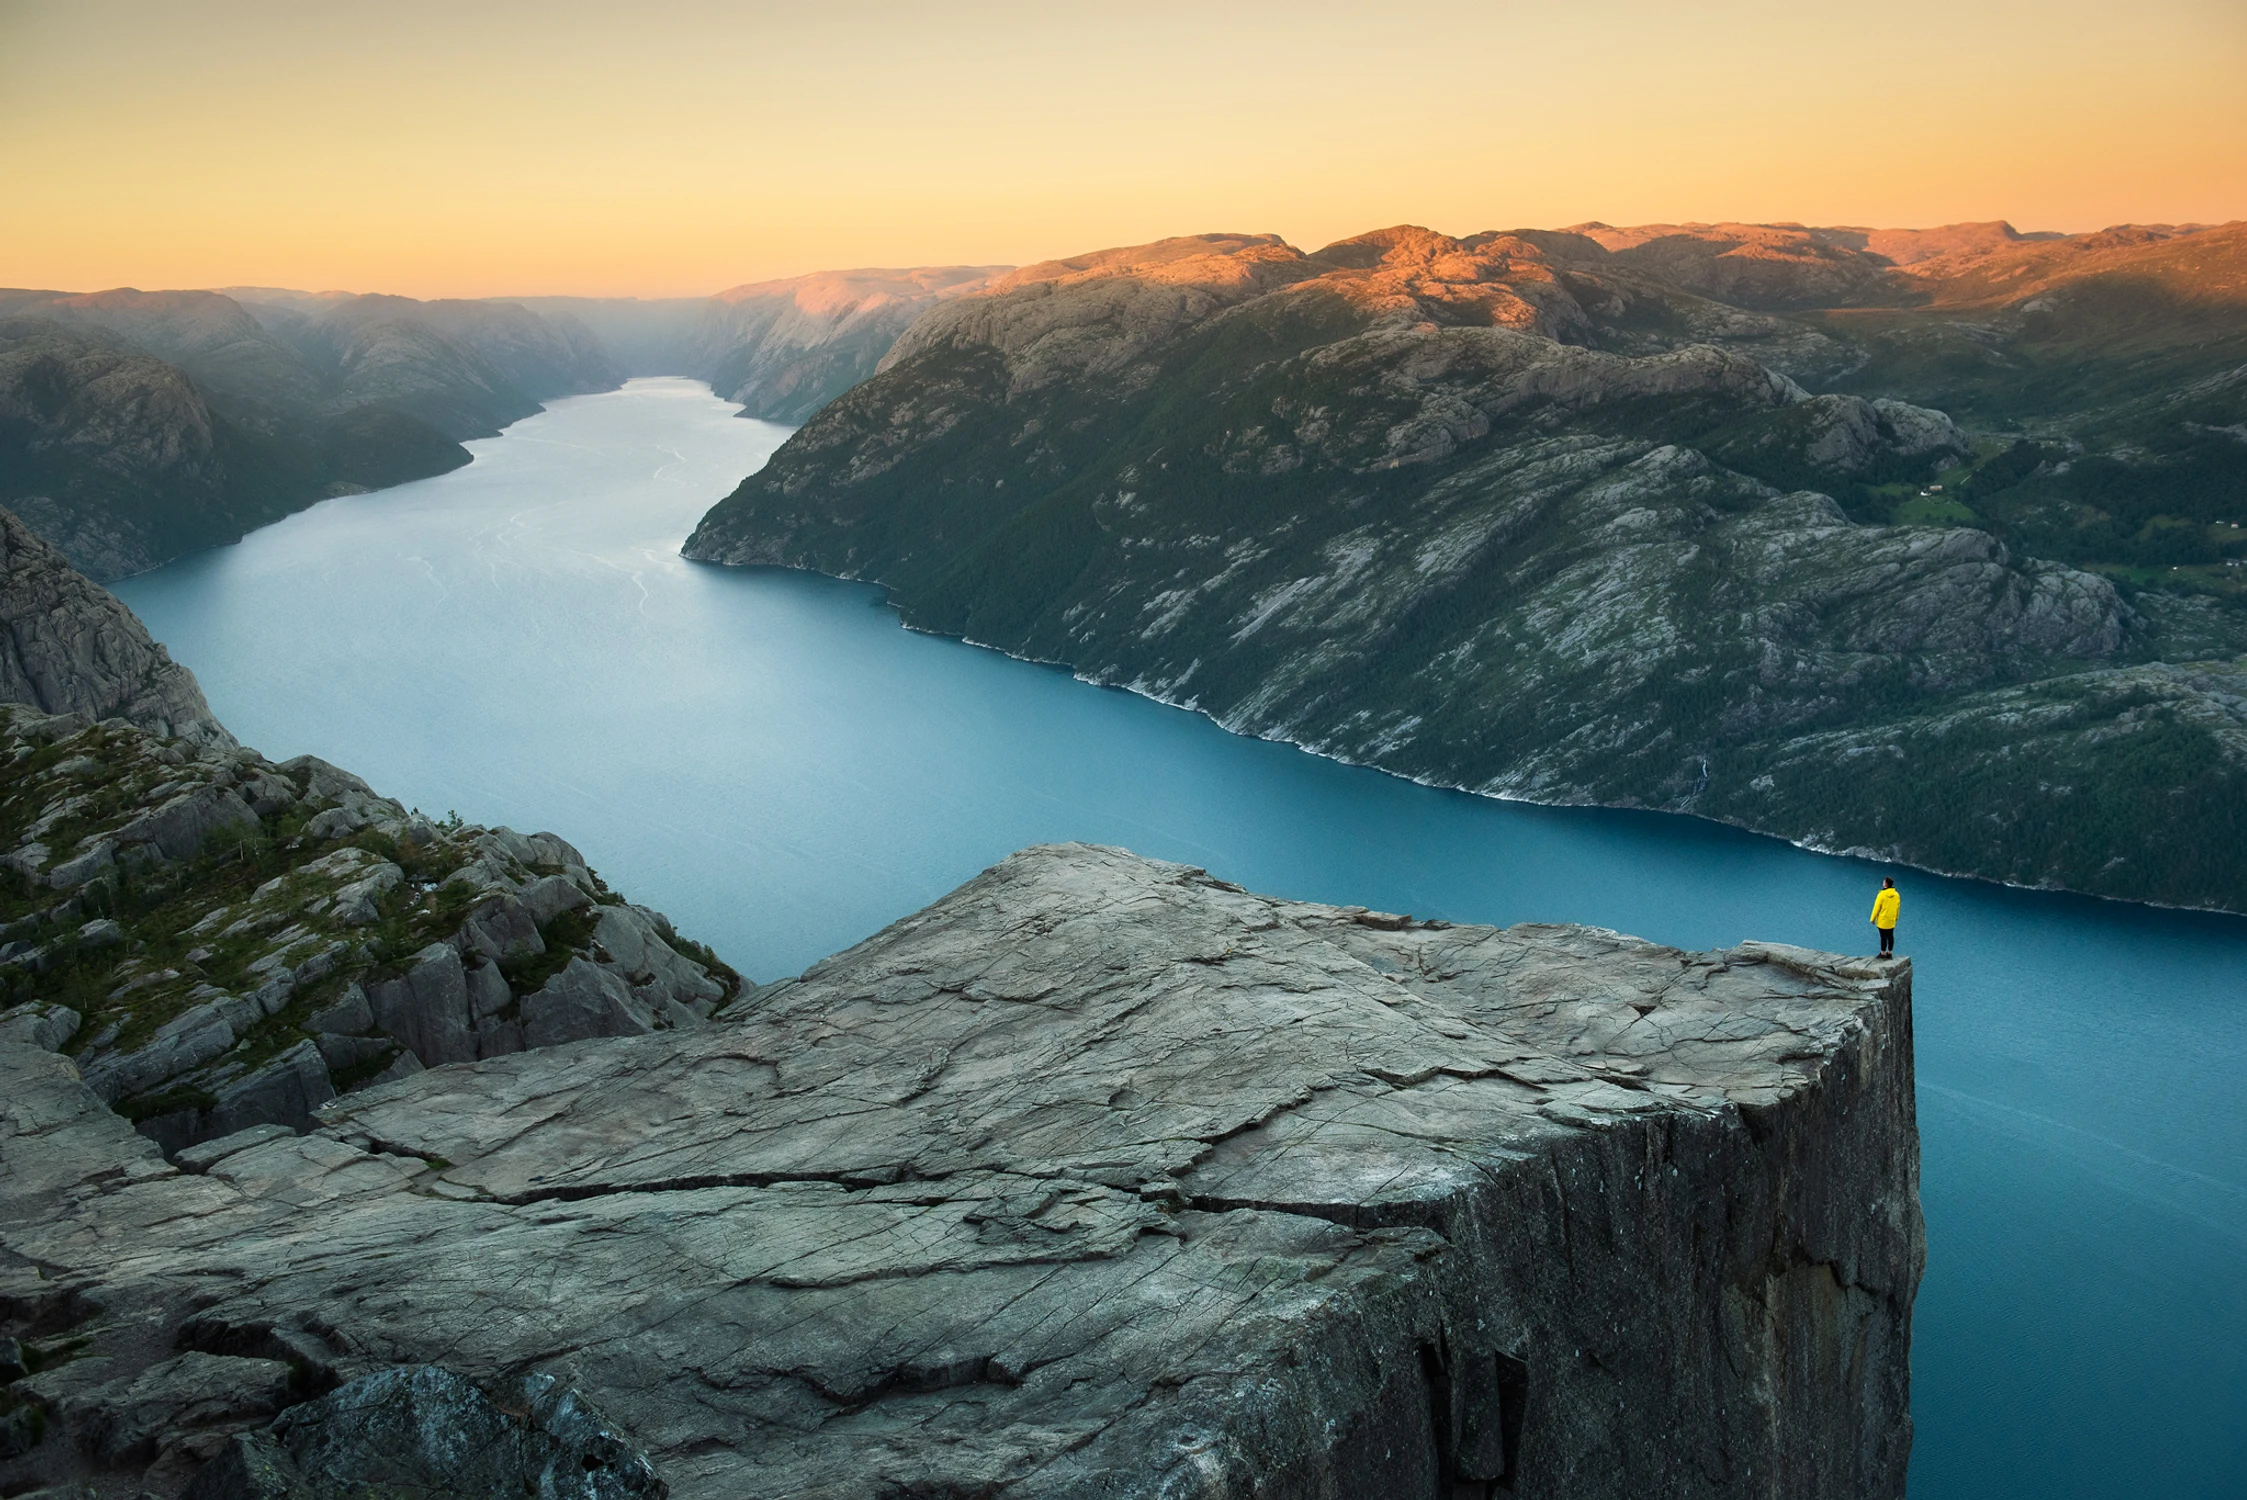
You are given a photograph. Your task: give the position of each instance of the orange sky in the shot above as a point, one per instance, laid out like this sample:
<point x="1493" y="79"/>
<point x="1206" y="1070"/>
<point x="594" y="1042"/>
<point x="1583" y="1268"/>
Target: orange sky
<point x="662" y="149"/>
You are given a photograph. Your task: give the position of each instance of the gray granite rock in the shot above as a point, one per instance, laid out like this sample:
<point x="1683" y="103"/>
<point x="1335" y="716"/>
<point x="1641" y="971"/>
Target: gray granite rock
<point x="427" y="1008"/>
<point x="349" y="1014"/>
<point x="68" y="646"/>
<point x="180" y="828"/>
<point x="585" y="1000"/>
<point x="202" y="1157"/>
<point x="192" y="1038"/>
<point x="550" y="896"/>
<point x="1099" y="1177"/>
<point x="284" y="1091"/>
<point x="330" y="924"/>
<point x="502" y="927"/>
<point x="186" y="1401"/>
<point x="39" y="1024"/>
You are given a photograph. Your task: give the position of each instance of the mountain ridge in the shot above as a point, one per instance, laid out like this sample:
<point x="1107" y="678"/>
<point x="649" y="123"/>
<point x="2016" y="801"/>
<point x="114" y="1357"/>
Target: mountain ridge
<point x="1494" y="516"/>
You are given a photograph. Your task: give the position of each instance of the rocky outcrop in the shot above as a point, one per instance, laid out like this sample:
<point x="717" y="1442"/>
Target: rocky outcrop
<point x="1099" y="1176"/>
<point x="276" y="934"/>
<point x="72" y="648"/>
<point x="1502" y="513"/>
<point x="240" y="941"/>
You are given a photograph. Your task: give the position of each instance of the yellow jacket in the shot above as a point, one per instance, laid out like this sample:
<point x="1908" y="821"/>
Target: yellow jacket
<point x="1885" y="906"/>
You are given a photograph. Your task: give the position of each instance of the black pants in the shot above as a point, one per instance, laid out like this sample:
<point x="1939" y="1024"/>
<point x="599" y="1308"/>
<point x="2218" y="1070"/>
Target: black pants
<point x="1887" y="941"/>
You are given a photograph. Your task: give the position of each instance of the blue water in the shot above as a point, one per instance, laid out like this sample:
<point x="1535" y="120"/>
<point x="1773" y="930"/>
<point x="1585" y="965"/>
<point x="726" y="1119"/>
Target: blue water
<point x="771" y="759"/>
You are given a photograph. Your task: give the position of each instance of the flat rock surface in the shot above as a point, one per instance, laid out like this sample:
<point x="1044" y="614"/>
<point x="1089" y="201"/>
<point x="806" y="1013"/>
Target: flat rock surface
<point x="1097" y="1176"/>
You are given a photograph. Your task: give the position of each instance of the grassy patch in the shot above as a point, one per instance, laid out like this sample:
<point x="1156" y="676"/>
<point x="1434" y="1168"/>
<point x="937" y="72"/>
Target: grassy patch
<point x="1934" y="510"/>
<point x="719" y="969"/>
<point x="564" y="935"/>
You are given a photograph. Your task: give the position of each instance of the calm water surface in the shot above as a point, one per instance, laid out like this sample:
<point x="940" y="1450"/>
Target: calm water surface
<point x="769" y="758"/>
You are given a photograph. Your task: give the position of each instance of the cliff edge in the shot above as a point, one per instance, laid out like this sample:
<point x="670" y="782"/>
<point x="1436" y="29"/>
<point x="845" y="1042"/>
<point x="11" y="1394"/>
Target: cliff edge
<point x="1097" y="1177"/>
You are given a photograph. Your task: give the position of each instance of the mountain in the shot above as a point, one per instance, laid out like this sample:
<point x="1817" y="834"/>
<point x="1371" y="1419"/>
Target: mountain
<point x="783" y="349"/>
<point x="645" y="336"/>
<point x="135" y="426"/>
<point x="465" y="368"/>
<point x="1544" y="516"/>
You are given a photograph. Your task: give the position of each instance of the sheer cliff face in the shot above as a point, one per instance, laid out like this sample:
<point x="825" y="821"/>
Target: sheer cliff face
<point x="1506" y="513"/>
<point x="72" y="648"/>
<point x="1098" y="1177"/>
<point x="784" y="349"/>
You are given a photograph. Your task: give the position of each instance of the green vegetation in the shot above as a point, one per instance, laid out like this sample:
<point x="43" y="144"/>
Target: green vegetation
<point x="257" y="901"/>
<point x="566" y="934"/>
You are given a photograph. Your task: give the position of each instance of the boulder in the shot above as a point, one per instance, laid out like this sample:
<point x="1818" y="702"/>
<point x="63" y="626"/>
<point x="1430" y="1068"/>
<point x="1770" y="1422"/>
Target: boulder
<point x="488" y="991"/>
<point x="284" y="1092"/>
<point x="39" y="1024"/>
<point x="179" y="828"/>
<point x="355" y="904"/>
<point x="550" y="896"/>
<point x="657" y="973"/>
<point x="349" y="1014"/>
<point x="427" y="1008"/>
<point x="188" y="1040"/>
<point x="584" y="1000"/>
<point x="501" y="927"/>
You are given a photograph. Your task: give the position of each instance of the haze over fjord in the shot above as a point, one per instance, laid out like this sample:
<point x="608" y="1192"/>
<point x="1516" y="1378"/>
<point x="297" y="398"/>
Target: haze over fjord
<point x="512" y="149"/>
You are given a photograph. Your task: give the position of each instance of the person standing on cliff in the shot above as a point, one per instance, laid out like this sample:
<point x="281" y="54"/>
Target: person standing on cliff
<point x="1885" y="907"/>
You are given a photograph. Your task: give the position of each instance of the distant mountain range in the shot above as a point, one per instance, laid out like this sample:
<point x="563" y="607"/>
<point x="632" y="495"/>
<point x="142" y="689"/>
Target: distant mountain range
<point x="136" y="426"/>
<point x="1927" y="543"/>
<point x="783" y="349"/>
<point x="1923" y="543"/>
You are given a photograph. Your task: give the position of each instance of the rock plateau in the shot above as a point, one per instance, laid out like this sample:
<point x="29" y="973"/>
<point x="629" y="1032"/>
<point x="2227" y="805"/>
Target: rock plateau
<point x="1097" y="1177"/>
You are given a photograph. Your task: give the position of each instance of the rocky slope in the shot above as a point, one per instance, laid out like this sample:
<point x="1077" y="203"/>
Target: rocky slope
<point x="1264" y="1197"/>
<point x="1513" y="513"/>
<point x="71" y="648"/>
<point x="222" y="942"/>
<point x="135" y="426"/>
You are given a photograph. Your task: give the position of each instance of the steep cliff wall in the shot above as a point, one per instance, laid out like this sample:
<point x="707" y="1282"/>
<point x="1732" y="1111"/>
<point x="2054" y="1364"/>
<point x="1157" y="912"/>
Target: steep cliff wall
<point x="71" y="648"/>
<point x="1097" y="1177"/>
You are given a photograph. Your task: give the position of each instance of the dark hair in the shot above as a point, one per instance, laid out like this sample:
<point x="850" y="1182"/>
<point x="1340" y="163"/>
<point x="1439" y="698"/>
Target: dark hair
<point x="1887" y="880"/>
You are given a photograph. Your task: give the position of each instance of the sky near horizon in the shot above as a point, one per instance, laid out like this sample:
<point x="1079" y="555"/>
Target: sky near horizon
<point x="666" y="149"/>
